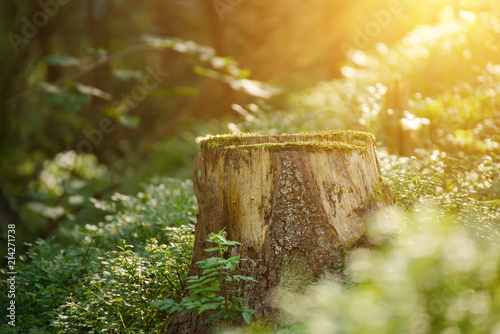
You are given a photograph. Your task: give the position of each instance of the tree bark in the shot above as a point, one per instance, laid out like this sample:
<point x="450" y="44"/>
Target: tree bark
<point x="294" y="202"/>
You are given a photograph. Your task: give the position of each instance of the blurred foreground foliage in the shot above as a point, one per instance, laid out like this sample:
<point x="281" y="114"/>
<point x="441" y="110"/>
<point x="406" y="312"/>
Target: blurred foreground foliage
<point x="428" y="275"/>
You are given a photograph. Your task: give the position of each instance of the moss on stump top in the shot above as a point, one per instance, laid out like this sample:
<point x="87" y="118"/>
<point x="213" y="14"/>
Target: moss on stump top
<point x="344" y="140"/>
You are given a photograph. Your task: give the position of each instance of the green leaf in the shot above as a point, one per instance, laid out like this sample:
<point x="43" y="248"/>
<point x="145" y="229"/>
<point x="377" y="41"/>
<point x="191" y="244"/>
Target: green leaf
<point x="211" y="295"/>
<point x="209" y="270"/>
<point x="126" y="75"/>
<point x="70" y="101"/>
<point x="174" y="309"/>
<point x="213" y="287"/>
<point x="244" y="278"/>
<point x="163" y="304"/>
<point x="247" y="317"/>
<point x="194" y="286"/>
<point x="62" y="59"/>
<point x="89" y="90"/>
<point x="231" y="266"/>
<point x="129" y="121"/>
<point x="209" y="306"/>
<point x="245" y="73"/>
<point x="208" y="280"/>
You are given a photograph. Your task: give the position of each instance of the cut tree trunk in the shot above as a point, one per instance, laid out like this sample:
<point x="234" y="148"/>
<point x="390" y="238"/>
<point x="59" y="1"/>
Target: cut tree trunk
<point x="294" y="202"/>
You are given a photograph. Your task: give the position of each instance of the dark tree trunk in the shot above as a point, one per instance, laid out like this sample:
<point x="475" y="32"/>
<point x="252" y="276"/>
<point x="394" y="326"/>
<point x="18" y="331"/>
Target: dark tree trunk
<point x="294" y="202"/>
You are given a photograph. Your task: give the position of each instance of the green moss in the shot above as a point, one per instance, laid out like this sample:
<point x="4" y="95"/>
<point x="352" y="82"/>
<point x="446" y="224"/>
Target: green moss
<point x="349" y="244"/>
<point x="380" y="193"/>
<point x="344" y="140"/>
<point x="295" y="273"/>
<point x="313" y="145"/>
<point x="227" y="139"/>
<point x="342" y="135"/>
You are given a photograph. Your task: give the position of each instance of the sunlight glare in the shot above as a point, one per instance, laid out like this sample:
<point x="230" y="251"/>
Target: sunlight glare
<point x="467" y="16"/>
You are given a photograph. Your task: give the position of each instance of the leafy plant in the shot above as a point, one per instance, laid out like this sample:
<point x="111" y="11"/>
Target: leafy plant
<point x="116" y="296"/>
<point x="467" y="188"/>
<point x="105" y="283"/>
<point x="164" y="202"/>
<point x="209" y="292"/>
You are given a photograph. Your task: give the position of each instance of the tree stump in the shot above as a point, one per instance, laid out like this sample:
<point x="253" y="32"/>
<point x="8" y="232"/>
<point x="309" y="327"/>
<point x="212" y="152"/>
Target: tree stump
<point x="293" y="202"/>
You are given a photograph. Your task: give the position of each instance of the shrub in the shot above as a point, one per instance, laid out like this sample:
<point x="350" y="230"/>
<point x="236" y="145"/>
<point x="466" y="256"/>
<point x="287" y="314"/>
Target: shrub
<point x="467" y="188"/>
<point x="106" y="284"/>
<point x="209" y="292"/>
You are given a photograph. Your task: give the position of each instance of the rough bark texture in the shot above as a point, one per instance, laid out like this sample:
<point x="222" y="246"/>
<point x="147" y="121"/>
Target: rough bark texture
<point x="294" y="202"/>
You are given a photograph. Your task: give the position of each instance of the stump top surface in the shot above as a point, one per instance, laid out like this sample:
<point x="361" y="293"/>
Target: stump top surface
<point x="347" y="140"/>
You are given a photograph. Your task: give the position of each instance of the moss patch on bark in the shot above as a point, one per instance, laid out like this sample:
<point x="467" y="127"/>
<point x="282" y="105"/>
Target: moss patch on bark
<point x="343" y="140"/>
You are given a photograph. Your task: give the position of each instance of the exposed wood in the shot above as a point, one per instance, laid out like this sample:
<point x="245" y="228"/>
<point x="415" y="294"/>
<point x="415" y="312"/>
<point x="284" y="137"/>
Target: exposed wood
<point x="293" y="202"/>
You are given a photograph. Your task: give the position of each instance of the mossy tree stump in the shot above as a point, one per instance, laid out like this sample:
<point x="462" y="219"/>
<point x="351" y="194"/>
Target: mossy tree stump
<point x="292" y="201"/>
